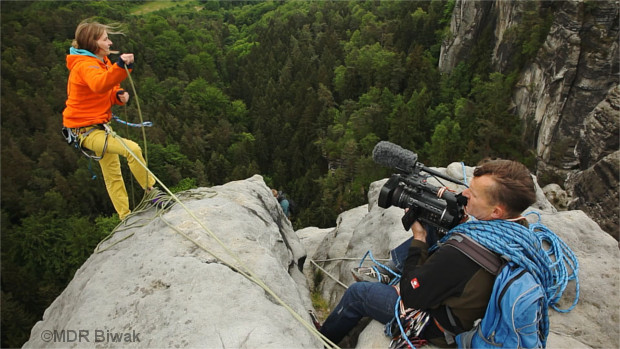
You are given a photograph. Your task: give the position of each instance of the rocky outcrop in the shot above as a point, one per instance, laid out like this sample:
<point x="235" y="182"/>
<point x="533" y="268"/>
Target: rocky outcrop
<point x="595" y="191"/>
<point x="468" y="21"/>
<point x="593" y="323"/>
<point x="165" y="281"/>
<point x="595" y="187"/>
<point x="556" y="196"/>
<point x="575" y="69"/>
<point x="572" y="72"/>
<point x="598" y="137"/>
<point x="158" y="288"/>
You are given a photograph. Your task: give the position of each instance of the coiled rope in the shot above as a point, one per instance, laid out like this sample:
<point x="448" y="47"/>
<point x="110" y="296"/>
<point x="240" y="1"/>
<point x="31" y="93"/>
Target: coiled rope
<point x="395" y="276"/>
<point x="241" y="267"/>
<point x="537" y="249"/>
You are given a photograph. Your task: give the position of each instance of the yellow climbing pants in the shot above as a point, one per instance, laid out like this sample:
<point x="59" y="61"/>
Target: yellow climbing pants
<point x="111" y="166"/>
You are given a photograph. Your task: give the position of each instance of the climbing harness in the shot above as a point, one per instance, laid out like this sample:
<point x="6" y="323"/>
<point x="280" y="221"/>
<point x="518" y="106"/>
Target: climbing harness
<point x="75" y="137"/>
<point x="407" y="324"/>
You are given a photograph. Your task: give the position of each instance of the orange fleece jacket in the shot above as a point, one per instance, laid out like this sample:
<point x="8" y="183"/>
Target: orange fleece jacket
<point x="91" y="90"/>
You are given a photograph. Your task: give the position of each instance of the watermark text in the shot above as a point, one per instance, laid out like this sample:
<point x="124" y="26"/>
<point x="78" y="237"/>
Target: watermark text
<point x="89" y="336"/>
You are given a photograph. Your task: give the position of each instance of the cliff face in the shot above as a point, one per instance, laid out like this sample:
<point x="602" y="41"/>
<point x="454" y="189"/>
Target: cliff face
<point x="556" y="95"/>
<point x="595" y="188"/>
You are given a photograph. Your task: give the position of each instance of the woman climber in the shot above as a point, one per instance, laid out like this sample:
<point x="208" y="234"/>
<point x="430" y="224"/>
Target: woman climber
<point x="92" y="88"/>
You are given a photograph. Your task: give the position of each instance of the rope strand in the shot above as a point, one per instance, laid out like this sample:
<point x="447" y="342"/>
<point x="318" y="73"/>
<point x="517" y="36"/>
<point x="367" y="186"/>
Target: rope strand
<point x="242" y="268"/>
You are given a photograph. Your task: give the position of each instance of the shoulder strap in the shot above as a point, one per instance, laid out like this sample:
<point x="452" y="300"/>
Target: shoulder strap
<point x="484" y="257"/>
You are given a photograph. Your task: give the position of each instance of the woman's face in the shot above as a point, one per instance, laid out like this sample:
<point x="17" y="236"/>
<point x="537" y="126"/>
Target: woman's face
<point x="103" y="45"/>
<point x="479" y="204"/>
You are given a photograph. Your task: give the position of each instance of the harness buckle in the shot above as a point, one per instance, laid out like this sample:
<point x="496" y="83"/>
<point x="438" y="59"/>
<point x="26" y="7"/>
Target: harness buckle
<point x="69" y="135"/>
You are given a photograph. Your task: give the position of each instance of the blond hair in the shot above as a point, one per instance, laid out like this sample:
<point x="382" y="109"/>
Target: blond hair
<point x="89" y="31"/>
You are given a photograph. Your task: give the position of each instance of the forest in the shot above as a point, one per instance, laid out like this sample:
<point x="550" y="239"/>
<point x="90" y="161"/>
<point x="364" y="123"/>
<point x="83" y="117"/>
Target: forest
<point x="296" y="91"/>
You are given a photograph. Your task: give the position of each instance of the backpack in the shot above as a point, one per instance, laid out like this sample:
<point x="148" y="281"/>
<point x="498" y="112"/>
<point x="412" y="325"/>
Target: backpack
<point x="292" y="206"/>
<point x="516" y="307"/>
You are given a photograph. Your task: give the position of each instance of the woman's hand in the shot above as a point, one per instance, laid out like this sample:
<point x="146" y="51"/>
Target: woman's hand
<point x="123" y="96"/>
<point x="127" y="58"/>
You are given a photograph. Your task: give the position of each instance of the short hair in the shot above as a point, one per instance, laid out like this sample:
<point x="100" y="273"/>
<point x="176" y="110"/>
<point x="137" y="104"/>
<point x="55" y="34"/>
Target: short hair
<point x="89" y="31"/>
<point x="514" y="186"/>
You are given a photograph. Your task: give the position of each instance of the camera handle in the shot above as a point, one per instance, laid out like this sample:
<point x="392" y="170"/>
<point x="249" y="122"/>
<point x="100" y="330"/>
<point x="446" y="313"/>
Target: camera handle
<point x="409" y="218"/>
<point x="440" y="175"/>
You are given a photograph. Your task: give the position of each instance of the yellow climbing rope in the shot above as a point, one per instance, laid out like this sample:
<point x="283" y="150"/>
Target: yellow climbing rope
<point x="242" y="268"/>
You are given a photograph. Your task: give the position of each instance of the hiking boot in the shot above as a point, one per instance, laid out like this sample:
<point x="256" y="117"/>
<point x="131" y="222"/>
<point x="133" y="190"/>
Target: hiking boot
<point x="369" y="274"/>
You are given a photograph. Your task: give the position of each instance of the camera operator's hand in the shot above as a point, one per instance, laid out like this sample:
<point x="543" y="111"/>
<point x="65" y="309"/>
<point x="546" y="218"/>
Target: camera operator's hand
<point x="419" y="233"/>
<point x="465" y="218"/>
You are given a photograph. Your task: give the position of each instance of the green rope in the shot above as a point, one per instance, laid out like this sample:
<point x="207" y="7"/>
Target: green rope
<point x="330" y="275"/>
<point x="133" y="195"/>
<point x="135" y="93"/>
<point x="143" y="207"/>
<point x="243" y="269"/>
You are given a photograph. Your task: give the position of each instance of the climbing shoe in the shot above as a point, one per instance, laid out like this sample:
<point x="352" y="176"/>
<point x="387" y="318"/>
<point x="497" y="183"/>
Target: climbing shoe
<point x="159" y="199"/>
<point x="370" y="274"/>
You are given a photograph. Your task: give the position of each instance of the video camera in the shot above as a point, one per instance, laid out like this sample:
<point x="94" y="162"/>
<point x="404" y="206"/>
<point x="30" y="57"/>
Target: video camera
<point x="427" y="203"/>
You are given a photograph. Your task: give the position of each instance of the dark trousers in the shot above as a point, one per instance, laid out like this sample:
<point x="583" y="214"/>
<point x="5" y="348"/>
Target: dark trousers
<point x="369" y="299"/>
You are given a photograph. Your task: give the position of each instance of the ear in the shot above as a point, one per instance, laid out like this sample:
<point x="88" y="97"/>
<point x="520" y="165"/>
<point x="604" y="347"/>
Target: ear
<point x="499" y="212"/>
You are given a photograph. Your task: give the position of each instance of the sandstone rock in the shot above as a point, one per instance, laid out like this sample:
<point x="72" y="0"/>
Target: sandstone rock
<point x="571" y="74"/>
<point x="557" y="196"/>
<point x="574" y="75"/>
<point x="595" y="191"/>
<point x="595" y="187"/>
<point x="465" y="27"/>
<point x="598" y="136"/>
<point x="311" y="238"/>
<point x="172" y="293"/>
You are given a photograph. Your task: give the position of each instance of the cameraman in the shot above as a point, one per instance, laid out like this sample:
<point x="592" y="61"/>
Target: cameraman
<point x="446" y="284"/>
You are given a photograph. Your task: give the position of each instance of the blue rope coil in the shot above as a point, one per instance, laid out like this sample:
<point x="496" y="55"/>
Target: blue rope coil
<point x="537" y="249"/>
<point x="396" y="276"/>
